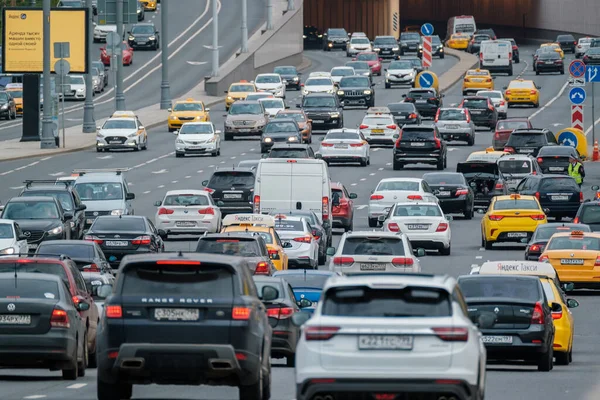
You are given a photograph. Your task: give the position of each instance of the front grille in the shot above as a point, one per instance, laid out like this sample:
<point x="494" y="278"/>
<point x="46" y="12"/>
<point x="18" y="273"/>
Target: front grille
<point x="94" y="214"/>
<point x="115" y="139"/>
<point x="243" y="123"/>
<point x="354" y="93"/>
<point x="279" y="139"/>
<point x="34" y="236"/>
<point x="187" y="118"/>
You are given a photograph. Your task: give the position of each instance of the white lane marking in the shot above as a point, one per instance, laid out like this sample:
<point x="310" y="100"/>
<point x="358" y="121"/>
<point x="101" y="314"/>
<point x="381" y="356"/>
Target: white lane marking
<point x="252" y="149"/>
<point x="372" y="174"/>
<point x="233" y="157"/>
<point x="20" y="168"/>
<point x="353" y="184"/>
<point x="361" y="207"/>
<point x="196" y="62"/>
<point x="146" y="192"/>
<point x="174" y="181"/>
<point x="200" y="171"/>
<point x="211" y="166"/>
<point x="35" y="396"/>
<point x="188" y="177"/>
<point x="161" y="171"/>
<point x="104" y="157"/>
<point x="57" y="174"/>
<point x="242" y="154"/>
<point x="479" y="257"/>
<point x="452" y="149"/>
<point x="7" y="172"/>
<point x="17" y="187"/>
<point x="380" y="169"/>
<point x="481" y="249"/>
<point x="222" y="162"/>
<point x="363" y="179"/>
<point x="161" y="186"/>
<point x="45" y="158"/>
<point x="388" y="163"/>
<point x="77" y="386"/>
<point x="588" y="130"/>
<point x="552" y="100"/>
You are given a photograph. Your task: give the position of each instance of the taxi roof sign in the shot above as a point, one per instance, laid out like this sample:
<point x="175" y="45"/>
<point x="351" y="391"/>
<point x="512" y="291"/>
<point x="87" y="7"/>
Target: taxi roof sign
<point x="577" y="233"/>
<point x="249" y="219"/>
<point x="378" y="110"/>
<point x="123" y="114"/>
<point x="518" y="268"/>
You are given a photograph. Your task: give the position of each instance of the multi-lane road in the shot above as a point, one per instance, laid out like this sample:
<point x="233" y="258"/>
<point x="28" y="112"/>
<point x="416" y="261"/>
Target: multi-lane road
<point x="157" y="170"/>
<point x="189" y="30"/>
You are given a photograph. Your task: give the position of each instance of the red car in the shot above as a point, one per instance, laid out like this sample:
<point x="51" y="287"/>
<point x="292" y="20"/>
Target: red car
<point x="127" y="55"/>
<point x="505" y="127"/>
<point x="372" y="59"/>
<point x="342" y="207"/>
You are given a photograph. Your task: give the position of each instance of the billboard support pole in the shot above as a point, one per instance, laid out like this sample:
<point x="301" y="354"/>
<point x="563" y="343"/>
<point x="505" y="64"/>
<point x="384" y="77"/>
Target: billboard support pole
<point x="120" y="96"/>
<point x="48" y="141"/>
<point x="165" y="90"/>
<point x="89" y="124"/>
<point x="244" y="26"/>
<point x="215" y="39"/>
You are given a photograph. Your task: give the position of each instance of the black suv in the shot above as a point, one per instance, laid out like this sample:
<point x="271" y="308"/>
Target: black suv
<point x="291" y="76"/>
<point x="482" y="110"/>
<point x="324" y="110"/>
<point x="386" y="46"/>
<point x="286" y="150"/>
<point x="40" y="218"/>
<point x="356" y="91"/>
<point x="427" y="101"/>
<point x="567" y="43"/>
<point x="559" y="195"/>
<point x="420" y="144"/>
<point x="232" y="189"/>
<point x="529" y="141"/>
<point x="8" y="107"/>
<point x="409" y="42"/>
<point x="312" y="36"/>
<point x="335" y="38"/>
<point x="66" y="196"/>
<point x="185" y="319"/>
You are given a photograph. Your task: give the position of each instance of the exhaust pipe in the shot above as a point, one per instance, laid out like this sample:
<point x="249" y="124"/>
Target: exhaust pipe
<point x="132" y="363"/>
<point x="220" y="365"/>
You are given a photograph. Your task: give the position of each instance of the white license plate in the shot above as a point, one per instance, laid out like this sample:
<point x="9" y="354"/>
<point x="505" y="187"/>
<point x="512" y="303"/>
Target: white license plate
<point x="444" y="193"/>
<point x="417" y="144"/>
<point x="477" y="80"/>
<point x="195" y="147"/>
<point x="340" y="146"/>
<point x="560" y="198"/>
<point x="476" y="112"/>
<point x="15" y="319"/>
<point x="452" y="126"/>
<point x="141" y="42"/>
<point x="232" y="195"/>
<point x="184" y="224"/>
<point x="571" y="261"/>
<point x="32" y="246"/>
<point x="417" y="227"/>
<point x="385" y="342"/>
<point x="89" y="221"/>
<point x="115" y="142"/>
<point x="318" y="121"/>
<point x="117" y="243"/>
<point x="421" y="101"/>
<point x="556" y="168"/>
<point x="244" y="130"/>
<point x="516" y="234"/>
<point x="372" y="267"/>
<point x="177" y="314"/>
<point x="526" y="151"/>
<point x="497" y="339"/>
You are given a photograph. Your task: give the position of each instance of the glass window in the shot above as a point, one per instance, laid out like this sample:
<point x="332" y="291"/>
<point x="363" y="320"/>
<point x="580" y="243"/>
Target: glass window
<point x="559" y="184"/>
<point x="518" y="204"/>
<point x="76" y="80"/>
<point x="355" y="81"/>
<point x="337" y="33"/>
<point x="6" y="231"/>
<point x="398" y="185"/>
<point x="119" y="123"/>
<point x="241" y="88"/>
<point x="410" y="36"/>
<point x="196" y="129"/>
<point x="287" y="225"/>
<point x="29" y="289"/>
<point x="64" y="198"/>
<point x="285" y="70"/>
<point x="33" y="267"/>
<point x="186" y="200"/>
<point x="298" y="117"/>
<point x="475" y="103"/>
<point x="116" y="224"/>
<point x="367" y="57"/>
<point x="268" y="79"/>
<point x="31" y="210"/>
<point x="453" y="115"/>
<point x="342" y="72"/>
<point x="494" y="287"/>
<point x="514" y="166"/>
<point x="360" y="41"/>
<point x="373" y="246"/>
<point x="574" y="243"/>
<point x="288" y="153"/>
<point x="527" y="139"/>
<point x="400" y="65"/>
<point x="318" y="82"/>
<point x="233" y="247"/>
<point x="306" y="281"/>
<point x="377" y="121"/>
<point x="545" y="232"/>
<point x="358" y="65"/>
<point x="188" y="107"/>
<point x="281" y="127"/>
<point x="547" y="286"/>
<point x="96" y="191"/>
<point x="229" y="179"/>
<point x="142" y="30"/>
<point x="261" y="284"/>
<point x="273" y="103"/>
<point x="417" y="211"/>
<point x="420" y="94"/>
<point x="415" y="134"/>
<point x="521" y="85"/>
<point x="245" y="108"/>
<point x="401" y="107"/>
<point x="444" y="179"/>
<point x="384" y="41"/>
<point x="319" y="101"/>
<point x="491" y="95"/>
<point x="342" y="135"/>
<point x="17" y="94"/>
<point x="83" y="251"/>
<point x="590" y="215"/>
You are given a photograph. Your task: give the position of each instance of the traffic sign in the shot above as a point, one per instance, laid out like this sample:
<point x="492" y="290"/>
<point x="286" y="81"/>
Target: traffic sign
<point x="592" y="73"/>
<point x="577" y="69"/>
<point x="577" y="117"/>
<point x="577" y="95"/>
<point x="427" y="29"/>
<point x="573" y="82"/>
<point x="112" y="39"/>
<point x="426" y="59"/>
<point x="62" y="67"/>
<point x="573" y="138"/>
<point x="426" y="79"/>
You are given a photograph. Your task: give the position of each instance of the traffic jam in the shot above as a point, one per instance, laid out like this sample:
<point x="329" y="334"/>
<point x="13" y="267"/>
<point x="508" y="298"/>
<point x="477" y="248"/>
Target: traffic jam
<point x="284" y="267"/>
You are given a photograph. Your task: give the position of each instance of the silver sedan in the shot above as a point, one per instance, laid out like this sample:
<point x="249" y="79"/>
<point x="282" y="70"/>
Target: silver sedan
<point x="345" y="146"/>
<point x="456" y="124"/>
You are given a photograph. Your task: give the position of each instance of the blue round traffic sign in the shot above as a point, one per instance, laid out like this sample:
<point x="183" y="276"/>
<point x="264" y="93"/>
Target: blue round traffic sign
<point x="577" y="68"/>
<point x="577" y="95"/>
<point x="567" y="138"/>
<point x="427" y="29"/>
<point x="426" y="80"/>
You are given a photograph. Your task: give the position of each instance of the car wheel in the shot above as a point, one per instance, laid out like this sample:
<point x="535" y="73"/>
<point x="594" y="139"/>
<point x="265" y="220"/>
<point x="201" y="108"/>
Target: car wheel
<point x="446" y="252"/>
<point x="440" y="164"/>
<point x="373" y="222"/>
<point x="350" y="227"/>
<point x="179" y="155"/>
<point x="546" y="361"/>
<point x="363" y="162"/>
<point x="397" y="166"/>
<point x="290" y="361"/>
<point x="537" y="72"/>
<point x="322" y="258"/>
<point x="71" y="373"/>
<point x="85" y="359"/>
<point x="214" y="153"/>
<point x="536" y="105"/>
<point x="228" y="136"/>
<point x="254" y="391"/>
<point x="111" y="391"/>
<point x="562" y="358"/>
<point x="487" y="244"/>
<point x="99" y="150"/>
<point x="219" y="153"/>
<point x="471" y="141"/>
<point x="562" y="71"/>
<point x="469" y="213"/>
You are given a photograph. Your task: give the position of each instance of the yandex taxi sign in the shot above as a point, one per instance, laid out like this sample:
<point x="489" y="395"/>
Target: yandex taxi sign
<point x="23" y="39"/>
<point x="517" y="268"/>
<point x="249" y="219"/>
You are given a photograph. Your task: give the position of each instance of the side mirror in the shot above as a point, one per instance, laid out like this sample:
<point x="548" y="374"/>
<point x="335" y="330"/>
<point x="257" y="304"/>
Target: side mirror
<point x="287" y="107"/>
<point x="130" y="196"/>
<point x="586" y="200"/>
<point x="98" y="128"/>
<point x="556" y="308"/>
<point x="353" y="196"/>
<point x="207" y="109"/>
<point x="539" y="87"/>
<point x="304" y="303"/>
<point x="156" y="32"/>
<point x="546" y="211"/>
<point x="595" y="187"/>
<point x="421" y="252"/>
<point x="104" y="291"/>
<point x="449" y="218"/>
<point x="287" y="245"/>
<point x="204" y="183"/>
<point x="319" y="156"/>
<point x="176" y="132"/>
<point x="22" y="237"/>
<point x="493" y="77"/>
<point x="572" y="303"/>
<point x="157" y="203"/>
<point x="568" y="287"/>
<point x="298" y="105"/>
<point x="220" y="203"/>
<point x="129" y="32"/>
<point x="486" y="320"/>
<point x="269" y="293"/>
<point x="505" y="87"/>
<point x="330" y="251"/>
<point x="218" y="132"/>
<point x="162" y="233"/>
<point x="68" y="216"/>
<point x="381" y="218"/>
<point x="81" y="207"/>
<point x="82" y="306"/>
<point x="169" y="109"/>
<point x="300" y="318"/>
<point x="225" y="91"/>
<point x="404" y="95"/>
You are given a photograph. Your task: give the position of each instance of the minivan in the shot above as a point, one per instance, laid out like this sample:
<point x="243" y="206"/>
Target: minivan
<point x="461" y="24"/>
<point x="496" y="56"/>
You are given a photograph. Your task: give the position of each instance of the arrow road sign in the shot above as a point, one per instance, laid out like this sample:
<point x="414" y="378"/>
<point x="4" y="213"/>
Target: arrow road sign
<point x="567" y="138"/>
<point x="577" y="68"/>
<point x="577" y="95"/>
<point x="427" y="29"/>
<point x="426" y="80"/>
<point x="592" y="73"/>
<point x="577" y="117"/>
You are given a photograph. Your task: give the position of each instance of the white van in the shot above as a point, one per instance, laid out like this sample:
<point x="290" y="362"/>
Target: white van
<point x="496" y="56"/>
<point x="461" y="24"/>
<point x="293" y="184"/>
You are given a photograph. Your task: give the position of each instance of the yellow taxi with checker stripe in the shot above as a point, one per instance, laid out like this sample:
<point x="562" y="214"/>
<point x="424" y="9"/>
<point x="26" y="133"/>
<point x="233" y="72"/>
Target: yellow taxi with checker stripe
<point x="188" y="110"/>
<point x="238" y="91"/>
<point x="511" y="218"/>
<point x="458" y="41"/>
<point x="264" y="225"/>
<point x="477" y="79"/>
<point x="561" y="313"/>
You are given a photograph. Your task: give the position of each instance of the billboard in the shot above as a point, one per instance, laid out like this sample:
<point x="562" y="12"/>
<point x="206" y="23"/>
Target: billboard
<point x="23" y="38"/>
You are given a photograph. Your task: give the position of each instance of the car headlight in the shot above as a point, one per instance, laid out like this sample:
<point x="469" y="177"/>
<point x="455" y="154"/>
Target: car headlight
<point x="340" y="92"/>
<point x="303" y="36"/>
<point x="268" y="140"/>
<point x="395" y="48"/>
<point x="72" y="223"/>
<point x="292" y="139"/>
<point x="376" y="49"/>
<point x="229" y="98"/>
<point x="79" y="90"/>
<point x="152" y="38"/>
<point x="179" y="141"/>
<point x="212" y="139"/>
<point x="199" y="117"/>
<point x="139" y="11"/>
<point x="5" y="106"/>
<point x="366" y="73"/>
<point x="56" y="231"/>
<point x="296" y="79"/>
<point x="9" y="250"/>
<point x="131" y="37"/>
<point x="305" y="91"/>
<point x="330" y="90"/>
<point x="420" y="47"/>
<point x="368" y="91"/>
<point x="117" y="212"/>
<point x="172" y="118"/>
<point x="132" y="135"/>
<point x="334" y="114"/>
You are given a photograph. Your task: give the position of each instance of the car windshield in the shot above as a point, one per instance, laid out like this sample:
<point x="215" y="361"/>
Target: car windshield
<point x="401" y="107"/>
<point x="273" y="103"/>
<point x="318" y="82"/>
<point x="306" y="280"/>
<point x="119" y="123"/>
<point x="360" y="40"/>
<point x="226" y="246"/>
<point x="526" y="139"/>
<point x="116" y="224"/>
<point x="521" y="85"/>
<point x="268" y="79"/>
<point x="342" y="136"/>
<point x="545" y="232"/>
<point x="374" y="246"/>
<point x="196" y="129"/>
<point x="475" y="103"/>
<point x="400" y="65"/>
<point x="83" y="251"/>
<point x="420" y="94"/>
<point x="287" y="225"/>
<point x="367" y="57"/>
<point x="491" y="95"/>
<point x="6" y="231"/>
<point x="285" y="70"/>
<point x="550" y="56"/>
<point x="511" y="125"/>
<point x="409" y="36"/>
<point x="245" y="108"/>
<point x="355" y="81"/>
<point x="593" y="51"/>
<point x="76" y="80"/>
<point x="585" y="40"/>
<point x="590" y="214"/>
<point x="516" y="204"/>
<point x="276" y="127"/>
<point x="186" y="200"/>
<point x="452" y="115"/>
<point x="188" y="107"/>
<point x="319" y="102"/>
<point x="3" y="97"/>
<point x="17" y="94"/>
<point x="298" y="117"/>
<point x="229" y="179"/>
<point x="565" y="38"/>
<point x="514" y="166"/>
<point x="142" y="29"/>
<point x="559" y="184"/>
<point x="358" y="65"/>
<point x="337" y="33"/>
<point x="444" y="179"/>
<point x="481" y="38"/>
<point x="385" y="41"/>
<point x="15" y="288"/>
<point x="63" y="197"/>
<point x="288" y="153"/>
<point x="398" y="185"/>
<point x="574" y="243"/>
<point x="241" y="88"/>
<point x="95" y="191"/>
<point x="256" y="96"/>
<point x="31" y="210"/>
<point x="342" y="72"/>
<point x="505" y="287"/>
<point x="417" y="211"/>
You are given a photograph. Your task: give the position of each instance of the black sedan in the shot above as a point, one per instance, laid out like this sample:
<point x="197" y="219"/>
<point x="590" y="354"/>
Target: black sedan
<point x="567" y="42"/>
<point x="475" y="43"/>
<point x="405" y="113"/>
<point x="144" y="36"/>
<point x="453" y="192"/>
<point x="482" y="111"/>
<point x="43" y="328"/>
<point x="555" y="159"/>
<point x="559" y="195"/>
<point x="124" y="235"/>
<point x="549" y="62"/>
<point x="592" y="56"/>
<point x="291" y="76"/>
<point x="544" y="232"/>
<point x="312" y="36"/>
<point x="279" y="311"/>
<point x="279" y="131"/>
<point x="87" y="255"/>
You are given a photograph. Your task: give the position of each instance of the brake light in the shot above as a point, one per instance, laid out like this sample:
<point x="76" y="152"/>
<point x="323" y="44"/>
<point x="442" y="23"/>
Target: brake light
<point x="303" y="239"/>
<point x="499" y="186"/>
<point x="256" y="204"/>
<point x="412" y="116"/>
<point x="403" y="262"/>
<point x="468" y="114"/>
<point x="113" y="355"/>
<point x="280" y="313"/>
<point x="113" y="312"/>
<point x="597" y="263"/>
<point x="325" y="144"/>
<point x="241" y="313"/>
<point x="91" y="268"/>
<point x="432" y="99"/>
<point x="207" y="211"/>
<point x="581" y="197"/>
<point x="574" y="42"/>
<point x="480" y="57"/>
<point x="59" y="319"/>
<point x="94" y="239"/>
<point x="363" y="126"/>
<point x="209" y="190"/>
<point x="467" y="80"/>
<point x="75" y="300"/>
<point x="325" y="208"/>
<point x="537" y="318"/>
<point x="437" y="115"/>
<point x="177" y="262"/>
<point x="144" y="240"/>
<point x="509" y="150"/>
<point x="163" y="211"/>
<point x="533" y="92"/>
<point x="537" y="195"/>
<point x="361" y="144"/>
<point x="343" y="261"/>
<point x="536" y="247"/>
<point x="576" y="220"/>
<point x="507" y="93"/>
<point x="488" y="80"/>
<point x="376" y="197"/>
<point x="414" y="197"/>
<point x="273" y="254"/>
<point x="538" y="217"/>
<point x="502" y="102"/>
<point x="392" y="127"/>
<point x="409" y="99"/>
<point x="540" y="160"/>
<point x="320" y="332"/>
<point x="557" y="314"/>
<point x="462" y="192"/>
<point x="393" y="227"/>
<point x="451" y="334"/>
<point x="496" y="217"/>
<point x="442" y="227"/>
<point x="385" y="396"/>
<point x="262" y="268"/>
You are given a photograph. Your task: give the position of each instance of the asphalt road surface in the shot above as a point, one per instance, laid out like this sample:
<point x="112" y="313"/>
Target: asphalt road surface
<point x="157" y="170"/>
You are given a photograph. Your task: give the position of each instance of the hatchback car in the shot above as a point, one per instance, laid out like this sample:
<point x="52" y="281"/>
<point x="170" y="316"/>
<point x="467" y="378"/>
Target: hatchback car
<point x="342" y="206"/>
<point x="529" y="141"/>
<point x="505" y="127"/>
<point x="379" y="129"/>
<point x="270" y="83"/>
<point x="559" y="195"/>
<point x="455" y="124"/>
<point x="279" y="131"/>
<point x="358" y="45"/>
<point x="273" y="105"/>
<point x="515" y="167"/>
<point x="482" y="111"/>
<point x="589" y="214"/>
<point x="303" y="248"/>
<point x="549" y="62"/>
<point x="476" y="80"/>
<point x="400" y="72"/>
<point x="232" y="186"/>
<point x="404" y="113"/>
<point x="567" y="42"/>
<point x="427" y="101"/>
<point x="592" y="56"/>
<point x="497" y="98"/>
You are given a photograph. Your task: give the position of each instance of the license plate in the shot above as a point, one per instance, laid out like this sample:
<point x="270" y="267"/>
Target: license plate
<point x="421" y="101"/>
<point x="117" y="243"/>
<point x="497" y="339"/>
<point x="417" y="144"/>
<point x="549" y="62"/>
<point x="556" y="169"/>
<point x="559" y="198"/>
<point x="244" y="130"/>
<point x="176" y="314"/>
<point x="15" y="319"/>
<point x="526" y="151"/>
<point x="185" y="224"/>
<point x="385" y="342"/>
<point x="417" y="227"/>
<point x="115" y="142"/>
<point x="232" y="195"/>
<point x="318" y="121"/>
<point x="452" y="126"/>
<point x="376" y="130"/>
<point x="195" y="147"/>
<point x="340" y="146"/>
<point x="89" y="221"/>
<point x="516" y="234"/>
<point x="571" y="261"/>
<point x="444" y="193"/>
<point x="32" y="246"/>
<point x="372" y="267"/>
<point x="141" y="42"/>
<point x="477" y="80"/>
<point x="477" y="112"/>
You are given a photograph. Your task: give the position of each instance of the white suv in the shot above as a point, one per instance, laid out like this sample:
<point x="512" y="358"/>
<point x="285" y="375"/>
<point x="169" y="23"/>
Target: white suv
<point x="390" y="333"/>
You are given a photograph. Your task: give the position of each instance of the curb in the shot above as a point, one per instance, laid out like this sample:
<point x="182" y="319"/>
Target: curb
<point x="461" y="58"/>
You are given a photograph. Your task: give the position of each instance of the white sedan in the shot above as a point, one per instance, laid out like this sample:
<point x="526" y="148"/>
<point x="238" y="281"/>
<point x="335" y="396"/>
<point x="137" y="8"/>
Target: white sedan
<point x="380" y="129"/>
<point x="390" y="191"/>
<point x="197" y="138"/>
<point x="318" y="85"/>
<point x="337" y="73"/>
<point x="424" y="223"/>
<point x="300" y="244"/>
<point x="273" y="105"/>
<point x="12" y="240"/>
<point x="497" y="99"/>
<point x="187" y="212"/>
<point x="345" y="146"/>
<point x="270" y="83"/>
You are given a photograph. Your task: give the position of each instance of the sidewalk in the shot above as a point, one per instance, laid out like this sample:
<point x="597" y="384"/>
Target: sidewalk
<point x="153" y="116"/>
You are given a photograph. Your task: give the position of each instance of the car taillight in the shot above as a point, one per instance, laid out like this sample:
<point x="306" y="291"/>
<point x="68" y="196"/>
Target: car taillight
<point x="540" y="160"/>
<point x="304" y="239"/>
<point x="496" y="217"/>
<point x="94" y="239"/>
<point x="537" y="318"/>
<point x="141" y="240"/>
<point x="557" y="314"/>
<point x="488" y="80"/>
<point x="256" y="204"/>
<point x="507" y="93"/>
<point x="536" y="247"/>
<point x="280" y="313"/>
<point x="499" y="186"/>
<point x="409" y="99"/>
<point x="442" y="227"/>
<point x="532" y="91"/>
<point x="432" y="99"/>
<point x="59" y="319"/>
<point x="273" y="254"/>
<point x="537" y="195"/>
<point x="467" y="80"/>
<point x="412" y="116"/>
<point x="597" y="263"/>
<point x="325" y="208"/>
<point x="451" y="334"/>
<point x="414" y="197"/>
<point x="576" y="220"/>
<point x="91" y="268"/>
<point x="262" y="268"/>
<point x="502" y="102"/>
<point x="320" y="332"/>
<point x="163" y="211"/>
<point x="581" y="197"/>
<point x="393" y="227"/>
<point x="207" y="211"/>
<point x="362" y="126"/>
<point x="392" y="127"/>
<point x="437" y="115"/>
<point x="376" y="197"/>
<point x="359" y="144"/>
<point x="574" y="42"/>
<point x="241" y="313"/>
<point x="209" y="190"/>
<point x="509" y="150"/>
<point x="325" y="144"/>
<point x="480" y="57"/>
<point x="462" y="192"/>
<point x="543" y="258"/>
<point x="113" y="311"/>
<point x="403" y="262"/>
<point x="343" y="261"/>
<point x="538" y="217"/>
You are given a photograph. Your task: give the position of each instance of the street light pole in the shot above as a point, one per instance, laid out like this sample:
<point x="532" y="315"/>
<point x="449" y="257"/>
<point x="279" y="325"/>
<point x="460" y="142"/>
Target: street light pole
<point x="47" y="141"/>
<point x="269" y="15"/>
<point x="291" y="5"/>
<point x="119" y="95"/>
<point x="89" y="124"/>
<point x="215" y="39"/>
<point x="165" y="90"/>
<point x="244" y="26"/>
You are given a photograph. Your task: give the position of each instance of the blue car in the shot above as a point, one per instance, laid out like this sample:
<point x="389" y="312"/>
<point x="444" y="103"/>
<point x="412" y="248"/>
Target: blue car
<point x="307" y="284"/>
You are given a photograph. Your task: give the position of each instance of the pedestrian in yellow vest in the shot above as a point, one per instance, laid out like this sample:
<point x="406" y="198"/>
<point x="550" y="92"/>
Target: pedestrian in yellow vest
<point x="576" y="170"/>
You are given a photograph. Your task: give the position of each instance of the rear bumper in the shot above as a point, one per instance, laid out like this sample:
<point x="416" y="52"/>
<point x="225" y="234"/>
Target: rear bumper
<point x="120" y="254"/>
<point x="283" y="342"/>
<point x="341" y="221"/>
<point x="52" y="349"/>
<point x="561" y="210"/>
<point x="344" y="159"/>
<point x="417" y="158"/>
<point x="456" y="134"/>
<point x="454" y="205"/>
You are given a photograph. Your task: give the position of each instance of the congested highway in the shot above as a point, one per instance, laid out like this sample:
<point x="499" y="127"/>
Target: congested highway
<point x="157" y="170"/>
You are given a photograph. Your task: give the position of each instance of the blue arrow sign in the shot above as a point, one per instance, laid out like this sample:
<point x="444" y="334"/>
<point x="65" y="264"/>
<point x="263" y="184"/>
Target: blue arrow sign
<point x="567" y="138"/>
<point x="577" y="95"/>
<point x="427" y="29"/>
<point x="577" y="69"/>
<point x="592" y="73"/>
<point x="426" y="80"/>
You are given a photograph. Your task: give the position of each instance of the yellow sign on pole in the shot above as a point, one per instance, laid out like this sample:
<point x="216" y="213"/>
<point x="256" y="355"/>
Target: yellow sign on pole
<point x="427" y="80"/>
<point x="23" y="39"/>
<point x="575" y="138"/>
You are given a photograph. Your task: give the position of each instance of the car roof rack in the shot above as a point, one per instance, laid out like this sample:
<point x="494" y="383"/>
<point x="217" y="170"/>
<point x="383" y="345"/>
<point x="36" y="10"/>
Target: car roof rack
<point x="45" y="182"/>
<point x="82" y="172"/>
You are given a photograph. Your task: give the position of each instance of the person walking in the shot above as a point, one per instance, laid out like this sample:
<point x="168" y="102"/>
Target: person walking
<point x="576" y="170"/>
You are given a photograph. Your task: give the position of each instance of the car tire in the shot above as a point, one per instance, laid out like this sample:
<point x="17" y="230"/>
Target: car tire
<point x="112" y="391"/>
<point x="72" y="373"/>
<point x="441" y="56"/>
<point x="471" y="141"/>
<point x="537" y="72"/>
<point x="99" y="150"/>
<point x="228" y="136"/>
<point x="546" y="361"/>
<point x="536" y="105"/>
<point x="562" y="358"/>
<point x="517" y="61"/>
<point x="263" y="150"/>
<point x="85" y="359"/>
<point x="440" y="164"/>
<point x="290" y="361"/>
<point x="322" y="258"/>
<point x="373" y="222"/>
<point x="350" y="227"/>
<point x="214" y="153"/>
<point x="487" y="244"/>
<point x="388" y="86"/>
<point x="469" y="213"/>
<point x="178" y="155"/>
<point x="254" y="391"/>
<point x="446" y="251"/>
<point x="562" y="71"/>
<point x="363" y="162"/>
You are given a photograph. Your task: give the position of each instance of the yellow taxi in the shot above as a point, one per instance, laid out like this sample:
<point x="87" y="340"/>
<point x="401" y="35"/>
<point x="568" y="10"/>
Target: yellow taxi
<point x="521" y="91"/>
<point x="556" y="48"/>
<point x="458" y="41"/>
<point x="187" y="111"/>
<point x="561" y="314"/>
<point x="511" y="218"/>
<point x="477" y="79"/>
<point x="487" y="155"/>
<point x="149" y="5"/>
<point x="576" y="257"/>
<point x="264" y="225"/>
<point x="238" y="91"/>
<point x="16" y="91"/>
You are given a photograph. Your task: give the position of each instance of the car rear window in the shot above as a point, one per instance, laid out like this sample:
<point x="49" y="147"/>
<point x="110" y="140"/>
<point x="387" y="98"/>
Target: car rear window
<point x="342" y="135"/>
<point x="574" y="243"/>
<point x="28" y="289"/>
<point x="33" y="267"/>
<point x="306" y="280"/>
<point x="401" y="107"/>
<point x="503" y="287"/>
<point x="287" y="225"/>
<point x="475" y="103"/>
<point x="444" y="179"/>
<point x="590" y="214"/>
<point x="514" y="166"/>
<point x="545" y="232"/>
<point x="227" y="180"/>
<point x="452" y="115"/>
<point x="374" y="246"/>
<point x="556" y="151"/>
<point x="521" y="204"/>
<point x="511" y="125"/>
<point x="71" y="250"/>
<point x="119" y="225"/>
<point x="288" y="153"/>
<point x="422" y="94"/>
<point x="205" y="281"/>
<point x="186" y="200"/>
<point x="398" y="185"/>
<point x="417" y="211"/>
<point x="526" y="139"/>
<point x="416" y="134"/>
<point x="566" y="183"/>
<point x="232" y="247"/>
<point x="367" y="302"/>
